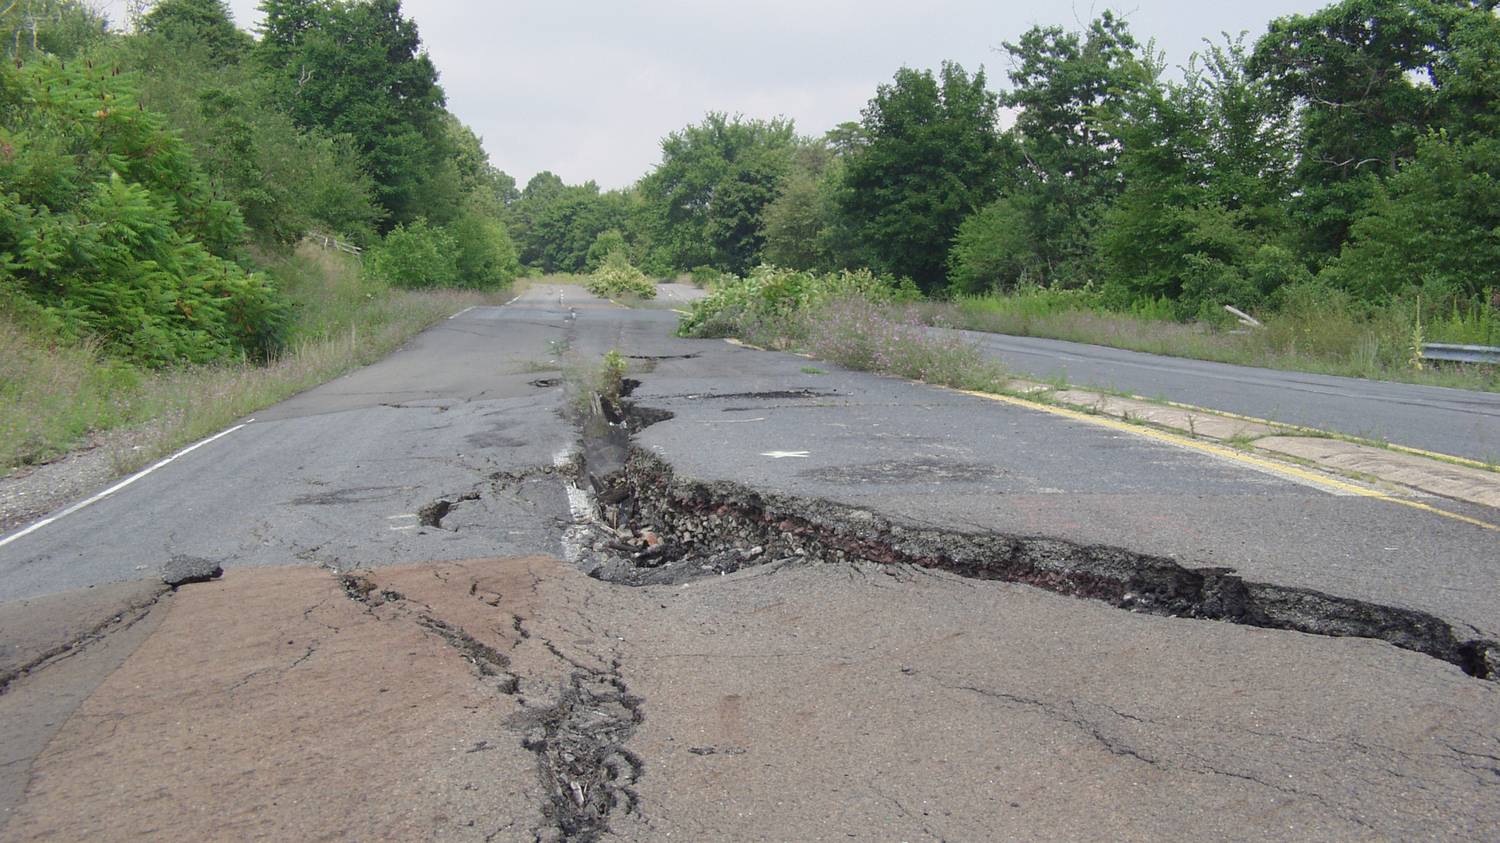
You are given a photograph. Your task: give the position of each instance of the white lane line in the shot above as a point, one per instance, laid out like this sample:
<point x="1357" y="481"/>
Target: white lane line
<point x="576" y="536"/>
<point x="466" y="310"/>
<point x="781" y="455"/>
<point x="118" y="486"/>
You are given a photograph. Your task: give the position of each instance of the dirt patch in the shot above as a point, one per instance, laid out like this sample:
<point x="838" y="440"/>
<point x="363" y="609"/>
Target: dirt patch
<point x="373" y="706"/>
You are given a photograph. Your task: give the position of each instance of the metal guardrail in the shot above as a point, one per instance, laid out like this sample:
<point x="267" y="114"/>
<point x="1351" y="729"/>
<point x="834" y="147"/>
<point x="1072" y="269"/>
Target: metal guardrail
<point x="1461" y="353"/>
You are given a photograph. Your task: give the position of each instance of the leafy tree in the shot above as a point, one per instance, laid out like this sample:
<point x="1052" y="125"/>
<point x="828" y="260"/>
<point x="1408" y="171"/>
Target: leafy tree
<point x="934" y="156"/>
<point x="417" y="255"/>
<point x="61" y="28"/>
<point x="1434" y="225"/>
<point x="207" y="23"/>
<point x="357" y="68"/>
<point x="109" y="226"/>
<point x="709" y="194"/>
<point x="794" y="224"/>
<point x="557" y="224"/>
<point x="1061" y="82"/>
<point x="608" y="241"/>
<point x="485" y="256"/>
<point x="1372" y="77"/>
<point x="991" y="251"/>
<point x="285" y="180"/>
<point x="1206" y="168"/>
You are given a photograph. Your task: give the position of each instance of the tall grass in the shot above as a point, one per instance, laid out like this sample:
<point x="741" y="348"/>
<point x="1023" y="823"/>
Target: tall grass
<point x="54" y="396"/>
<point x="1315" y="329"/>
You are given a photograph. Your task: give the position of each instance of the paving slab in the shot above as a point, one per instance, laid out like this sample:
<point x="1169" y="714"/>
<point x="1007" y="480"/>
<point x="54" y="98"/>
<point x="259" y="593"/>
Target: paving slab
<point x="1430" y="475"/>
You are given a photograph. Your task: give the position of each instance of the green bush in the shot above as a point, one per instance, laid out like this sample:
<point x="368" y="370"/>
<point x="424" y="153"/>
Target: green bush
<point x="609" y="241"/>
<point x="616" y="277"/>
<point x="486" y="258"/>
<point x="417" y="256"/>
<point x="770" y="299"/>
<point x="108" y="224"/>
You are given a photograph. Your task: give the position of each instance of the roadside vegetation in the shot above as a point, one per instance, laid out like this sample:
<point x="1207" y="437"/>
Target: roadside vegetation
<point x="852" y="318"/>
<point x="1314" y="329"/>
<point x="161" y="187"/>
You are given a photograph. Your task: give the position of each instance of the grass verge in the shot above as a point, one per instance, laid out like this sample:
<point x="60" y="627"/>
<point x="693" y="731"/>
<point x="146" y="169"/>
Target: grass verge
<point x="1319" y="334"/>
<point x="54" y="397"/>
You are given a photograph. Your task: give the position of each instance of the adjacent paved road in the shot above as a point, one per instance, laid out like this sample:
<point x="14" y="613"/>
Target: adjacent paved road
<point x="1449" y="421"/>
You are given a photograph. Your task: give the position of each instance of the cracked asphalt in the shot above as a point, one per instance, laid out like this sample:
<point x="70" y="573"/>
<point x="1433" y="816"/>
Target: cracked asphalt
<point x="467" y="683"/>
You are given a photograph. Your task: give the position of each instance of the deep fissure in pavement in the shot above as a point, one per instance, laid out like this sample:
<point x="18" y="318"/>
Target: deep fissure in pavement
<point x="665" y="529"/>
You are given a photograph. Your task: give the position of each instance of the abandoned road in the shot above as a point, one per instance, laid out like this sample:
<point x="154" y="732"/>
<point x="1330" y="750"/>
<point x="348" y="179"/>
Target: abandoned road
<point x="772" y="600"/>
<point x="1448" y="421"/>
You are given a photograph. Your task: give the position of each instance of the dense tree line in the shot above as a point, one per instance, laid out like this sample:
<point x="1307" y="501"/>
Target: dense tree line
<point x="141" y="172"/>
<point x="1352" y="150"/>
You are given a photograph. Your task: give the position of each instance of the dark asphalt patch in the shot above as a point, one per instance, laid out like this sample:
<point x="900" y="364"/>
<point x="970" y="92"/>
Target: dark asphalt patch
<point x="920" y="469"/>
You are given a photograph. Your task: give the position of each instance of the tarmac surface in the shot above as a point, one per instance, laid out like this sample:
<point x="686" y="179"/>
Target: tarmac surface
<point x="405" y="643"/>
<point x="1449" y="421"/>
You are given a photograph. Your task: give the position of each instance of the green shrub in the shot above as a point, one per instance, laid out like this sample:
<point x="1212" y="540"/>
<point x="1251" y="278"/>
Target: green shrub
<point x="417" y="256"/>
<point x="616" y="277"/>
<point x="769" y="300"/>
<point x="704" y="277"/>
<point x="610" y="240"/>
<point x="486" y="258"/>
<point x="108" y="225"/>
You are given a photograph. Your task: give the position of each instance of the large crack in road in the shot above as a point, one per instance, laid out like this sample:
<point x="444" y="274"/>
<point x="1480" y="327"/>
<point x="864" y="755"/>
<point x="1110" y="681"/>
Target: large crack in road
<point x="665" y="529"/>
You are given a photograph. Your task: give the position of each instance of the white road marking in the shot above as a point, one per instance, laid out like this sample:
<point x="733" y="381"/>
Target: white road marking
<point x="576" y="535"/>
<point x="118" y="486"/>
<point x="731" y="421"/>
<point x="465" y="310"/>
<point x="777" y="455"/>
<point x="401" y="516"/>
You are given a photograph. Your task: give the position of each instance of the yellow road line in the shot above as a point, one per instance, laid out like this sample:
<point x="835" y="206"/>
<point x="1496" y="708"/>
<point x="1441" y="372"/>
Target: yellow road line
<point x="1261" y="463"/>
<point x="1297" y="428"/>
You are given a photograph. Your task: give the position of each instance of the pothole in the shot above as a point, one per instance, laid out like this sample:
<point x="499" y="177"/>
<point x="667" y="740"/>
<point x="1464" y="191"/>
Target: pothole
<point x="432" y="514"/>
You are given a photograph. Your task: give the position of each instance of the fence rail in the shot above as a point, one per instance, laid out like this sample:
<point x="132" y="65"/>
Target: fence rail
<point x="333" y="243"/>
<point x="1461" y="353"/>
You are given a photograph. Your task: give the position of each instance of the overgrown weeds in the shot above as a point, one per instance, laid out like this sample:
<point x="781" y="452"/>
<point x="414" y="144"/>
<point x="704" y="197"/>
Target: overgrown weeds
<point x="1315" y="329"/>
<point x="54" y="395"/>
<point x="855" y="319"/>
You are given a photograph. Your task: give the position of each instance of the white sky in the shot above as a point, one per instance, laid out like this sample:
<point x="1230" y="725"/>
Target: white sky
<point x="587" y="89"/>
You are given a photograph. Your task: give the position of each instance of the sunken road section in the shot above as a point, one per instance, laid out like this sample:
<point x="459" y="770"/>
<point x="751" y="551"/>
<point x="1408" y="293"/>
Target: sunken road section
<point x="663" y="529"/>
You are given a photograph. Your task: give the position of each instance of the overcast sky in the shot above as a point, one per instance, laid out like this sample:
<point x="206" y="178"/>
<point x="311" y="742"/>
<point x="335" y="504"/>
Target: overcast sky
<point x="588" y="89"/>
